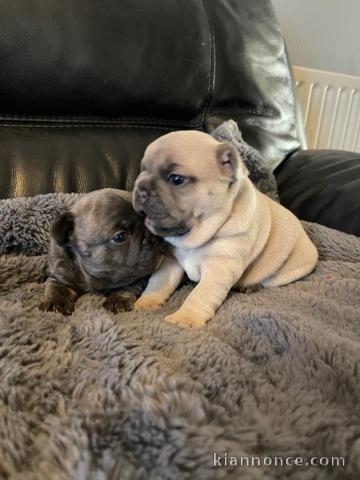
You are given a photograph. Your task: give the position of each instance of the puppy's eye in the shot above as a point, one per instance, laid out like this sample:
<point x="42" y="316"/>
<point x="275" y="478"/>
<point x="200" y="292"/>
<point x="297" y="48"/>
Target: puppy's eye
<point x="176" y="179"/>
<point x="120" y="237"/>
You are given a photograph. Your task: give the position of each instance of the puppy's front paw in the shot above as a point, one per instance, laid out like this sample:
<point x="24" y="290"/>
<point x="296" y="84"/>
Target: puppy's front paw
<point x="187" y="318"/>
<point x="146" y="302"/>
<point x="118" y="304"/>
<point x="66" y="308"/>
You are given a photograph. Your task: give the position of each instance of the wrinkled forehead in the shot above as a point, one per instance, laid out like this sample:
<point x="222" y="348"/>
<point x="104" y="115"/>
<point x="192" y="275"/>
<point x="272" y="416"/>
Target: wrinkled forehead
<point x="180" y="149"/>
<point x="101" y="215"/>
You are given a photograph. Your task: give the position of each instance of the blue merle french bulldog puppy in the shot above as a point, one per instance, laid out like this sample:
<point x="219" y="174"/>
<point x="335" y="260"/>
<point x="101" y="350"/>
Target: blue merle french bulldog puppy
<point x="101" y="245"/>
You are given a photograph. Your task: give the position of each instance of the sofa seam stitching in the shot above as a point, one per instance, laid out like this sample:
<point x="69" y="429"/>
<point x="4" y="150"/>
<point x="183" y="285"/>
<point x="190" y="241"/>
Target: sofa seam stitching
<point x="211" y="82"/>
<point x="84" y="119"/>
<point x="82" y="125"/>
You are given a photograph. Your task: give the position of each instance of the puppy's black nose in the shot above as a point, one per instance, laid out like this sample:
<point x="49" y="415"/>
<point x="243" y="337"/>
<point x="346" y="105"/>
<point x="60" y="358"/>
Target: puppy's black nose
<point x="142" y="194"/>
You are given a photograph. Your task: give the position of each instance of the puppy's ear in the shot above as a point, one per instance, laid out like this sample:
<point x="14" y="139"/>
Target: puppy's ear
<point x="229" y="162"/>
<point x="63" y="228"/>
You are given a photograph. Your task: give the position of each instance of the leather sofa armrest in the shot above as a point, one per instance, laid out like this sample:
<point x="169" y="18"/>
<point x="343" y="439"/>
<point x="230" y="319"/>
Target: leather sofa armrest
<point x="322" y="186"/>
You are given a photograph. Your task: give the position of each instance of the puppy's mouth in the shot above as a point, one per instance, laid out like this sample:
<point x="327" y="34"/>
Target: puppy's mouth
<point x="161" y="231"/>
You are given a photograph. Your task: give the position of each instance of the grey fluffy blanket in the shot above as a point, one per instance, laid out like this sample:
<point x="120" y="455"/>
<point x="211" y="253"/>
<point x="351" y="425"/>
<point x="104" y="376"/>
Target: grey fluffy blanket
<point x="128" y="396"/>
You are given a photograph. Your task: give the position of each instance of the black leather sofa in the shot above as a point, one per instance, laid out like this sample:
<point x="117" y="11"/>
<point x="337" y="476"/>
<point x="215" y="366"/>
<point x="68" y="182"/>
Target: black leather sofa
<point x="85" y="86"/>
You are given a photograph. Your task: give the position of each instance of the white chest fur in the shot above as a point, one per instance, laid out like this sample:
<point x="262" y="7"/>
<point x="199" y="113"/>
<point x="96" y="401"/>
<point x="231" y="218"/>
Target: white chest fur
<point x="191" y="261"/>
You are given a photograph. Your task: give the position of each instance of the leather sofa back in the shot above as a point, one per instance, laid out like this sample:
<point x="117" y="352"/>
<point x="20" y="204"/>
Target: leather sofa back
<point x="108" y="60"/>
<point x="86" y="85"/>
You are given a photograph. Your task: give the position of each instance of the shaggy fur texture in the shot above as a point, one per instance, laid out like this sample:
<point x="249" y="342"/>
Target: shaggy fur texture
<point x="259" y="173"/>
<point x="129" y="396"/>
<point x="25" y="223"/>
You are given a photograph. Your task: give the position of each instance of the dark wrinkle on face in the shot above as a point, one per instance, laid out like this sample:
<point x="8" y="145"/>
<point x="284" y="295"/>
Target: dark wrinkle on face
<point x="169" y="168"/>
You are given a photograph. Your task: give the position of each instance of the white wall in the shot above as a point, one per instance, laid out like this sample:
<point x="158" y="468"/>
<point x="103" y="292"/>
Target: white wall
<point x="322" y="34"/>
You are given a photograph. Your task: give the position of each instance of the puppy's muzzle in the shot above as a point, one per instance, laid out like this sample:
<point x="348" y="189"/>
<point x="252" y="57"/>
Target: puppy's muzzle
<point x="141" y="195"/>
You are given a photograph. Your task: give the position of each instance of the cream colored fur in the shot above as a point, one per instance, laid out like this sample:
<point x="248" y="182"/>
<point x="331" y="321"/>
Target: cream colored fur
<point x="249" y="240"/>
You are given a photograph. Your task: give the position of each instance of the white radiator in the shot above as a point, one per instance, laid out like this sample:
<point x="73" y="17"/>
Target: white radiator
<point x="330" y="105"/>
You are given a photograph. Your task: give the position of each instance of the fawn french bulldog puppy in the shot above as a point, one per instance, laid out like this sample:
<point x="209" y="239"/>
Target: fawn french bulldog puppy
<point x="195" y="192"/>
<point x="101" y="245"/>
